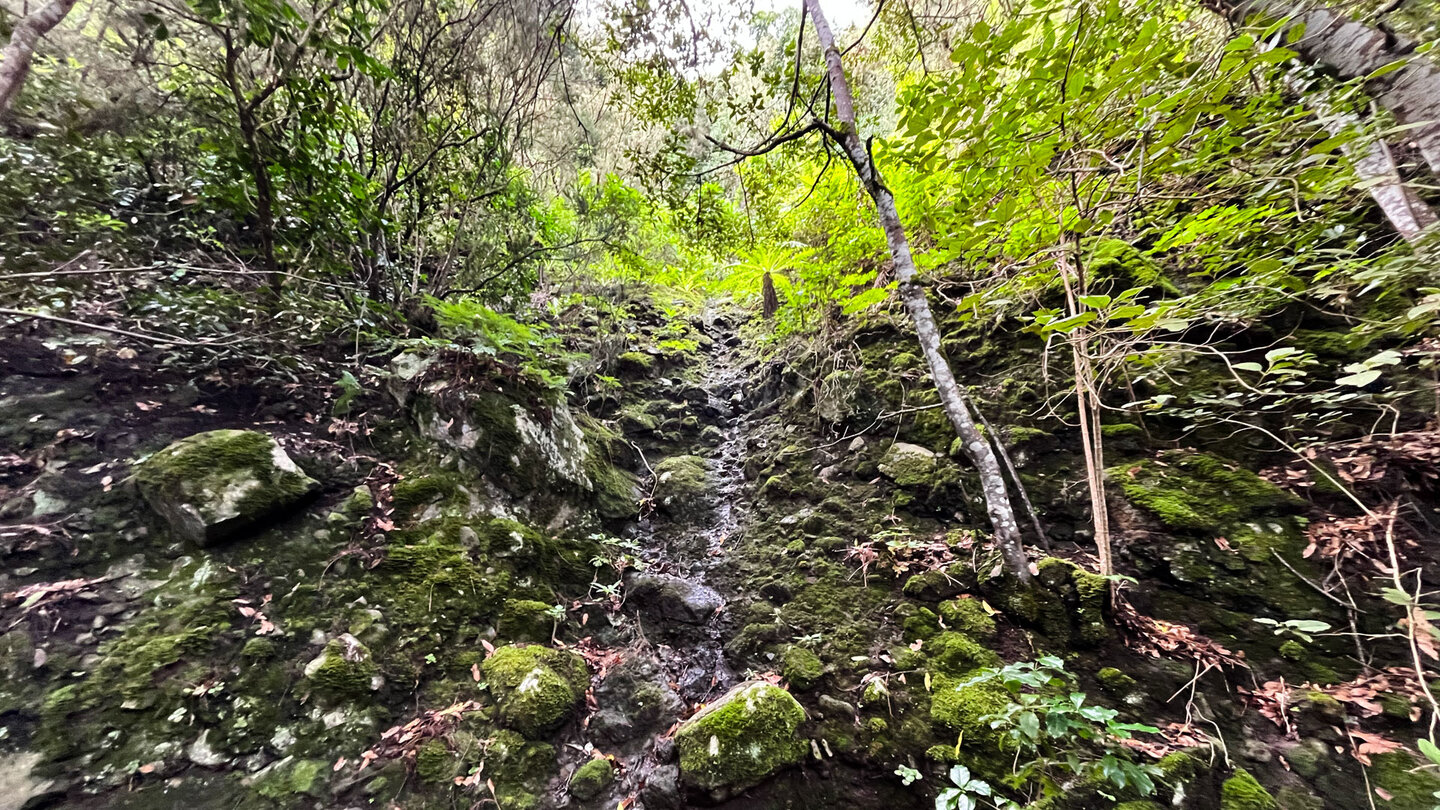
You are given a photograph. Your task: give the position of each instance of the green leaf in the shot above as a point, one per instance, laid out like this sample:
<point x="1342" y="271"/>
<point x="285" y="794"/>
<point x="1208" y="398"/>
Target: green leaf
<point x="1030" y="725"/>
<point x="1361" y="379"/>
<point x="1429" y="749"/>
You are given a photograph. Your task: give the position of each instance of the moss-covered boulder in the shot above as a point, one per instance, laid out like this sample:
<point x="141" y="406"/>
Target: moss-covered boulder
<point x="909" y="465"/>
<point x="217" y="485"/>
<point x="740" y="740"/>
<point x="682" y="485"/>
<point x="965" y="708"/>
<point x="591" y="779"/>
<point x="969" y="617"/>
<point x="536" y="688"/>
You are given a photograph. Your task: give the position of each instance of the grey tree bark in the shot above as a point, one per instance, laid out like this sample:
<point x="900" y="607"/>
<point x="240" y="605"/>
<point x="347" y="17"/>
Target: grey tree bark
<point x="1375" y="166"/>
<point x="16" y="58"/>
<point x="977" y="447"/>
<point x="1353" y="50"/>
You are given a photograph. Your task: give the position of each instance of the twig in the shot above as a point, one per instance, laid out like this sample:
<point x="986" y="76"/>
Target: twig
<point x="165" y="340"/>
<point x="1332" y="597"/>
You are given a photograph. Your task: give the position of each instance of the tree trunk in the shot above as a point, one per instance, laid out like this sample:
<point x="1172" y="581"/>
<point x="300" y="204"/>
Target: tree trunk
<point x="264" y="192"/>
<point x="1087" y="404"/>
<point x="15" y="59"/>
<point x="977" y="447"/>
<point x="1354" y="50"/>
<point x="1376" y="168"/>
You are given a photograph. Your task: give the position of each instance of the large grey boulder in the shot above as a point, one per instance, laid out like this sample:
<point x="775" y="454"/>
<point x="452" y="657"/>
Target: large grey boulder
<point x="674" y="598"/>
<point x="214" y="486"/>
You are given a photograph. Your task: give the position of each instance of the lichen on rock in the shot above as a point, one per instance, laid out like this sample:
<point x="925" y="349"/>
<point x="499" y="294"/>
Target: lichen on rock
<point x="213" y="486"/>
<point x="741" y="739"/>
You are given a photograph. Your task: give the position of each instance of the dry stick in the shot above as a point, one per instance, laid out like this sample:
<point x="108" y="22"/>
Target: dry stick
<point x="1040" y="536"/>
<point x="1089" y="410"/>
<point x="1410" y="610"/>
<point x="84" y="325"/>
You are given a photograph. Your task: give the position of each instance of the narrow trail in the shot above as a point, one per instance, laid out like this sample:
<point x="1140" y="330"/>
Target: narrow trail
<point x="690" y="644"/>
<point x="678" y="601"/>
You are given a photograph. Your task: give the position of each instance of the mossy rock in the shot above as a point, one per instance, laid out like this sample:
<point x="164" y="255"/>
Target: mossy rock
<point x="953" y="653"/>
<point x="741" y="739"/>
<point x="1115" y="682"/>
<point x="526" y="620"/>
<point x="215" y="486"/>
<point x="291" y="777"/>
<point x="968" y="616"/>
<point x="434" y="763"/>
<point x="635" y="365"/>
<point x="1243" y="792"/>
<point x="536" y="688"/>
<point x="965" y="708"/>
<point x="801" y="668"/>
<point x="591" y="779"/>
<point x="1400" y="775"/>
<point x="1198" y="491"/>
<point x="682" y="486"/>
<point x="343" y="670"/>
<point x="909" y="465"/>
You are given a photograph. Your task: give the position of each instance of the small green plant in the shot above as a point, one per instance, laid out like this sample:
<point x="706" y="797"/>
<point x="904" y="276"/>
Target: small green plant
<point x="1048" y="720"/>
<point x="1301" y="629"/>
<point x="968" y="792"/>
<point x="908" y="775"/>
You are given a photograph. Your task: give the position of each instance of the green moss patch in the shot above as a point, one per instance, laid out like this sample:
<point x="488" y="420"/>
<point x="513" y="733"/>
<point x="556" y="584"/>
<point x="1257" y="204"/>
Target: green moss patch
<point x="1242" y="792"/>
<point x="1198" y="491"/>
<point x="591" y="779"/>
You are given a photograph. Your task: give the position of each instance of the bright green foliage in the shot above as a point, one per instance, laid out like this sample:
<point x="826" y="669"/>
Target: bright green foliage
<point x="1045" y="718"/>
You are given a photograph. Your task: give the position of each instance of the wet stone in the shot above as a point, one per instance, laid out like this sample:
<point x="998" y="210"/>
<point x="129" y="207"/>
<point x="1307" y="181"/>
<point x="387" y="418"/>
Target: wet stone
<point x="674" y="598"/>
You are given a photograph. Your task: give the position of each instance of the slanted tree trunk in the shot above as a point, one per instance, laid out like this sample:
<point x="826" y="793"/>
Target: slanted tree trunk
<point x="1375" y="166"/>
<point x="1354" y="50"/>
<point x="15" y="59"/>
<point x="977" y="447"/>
